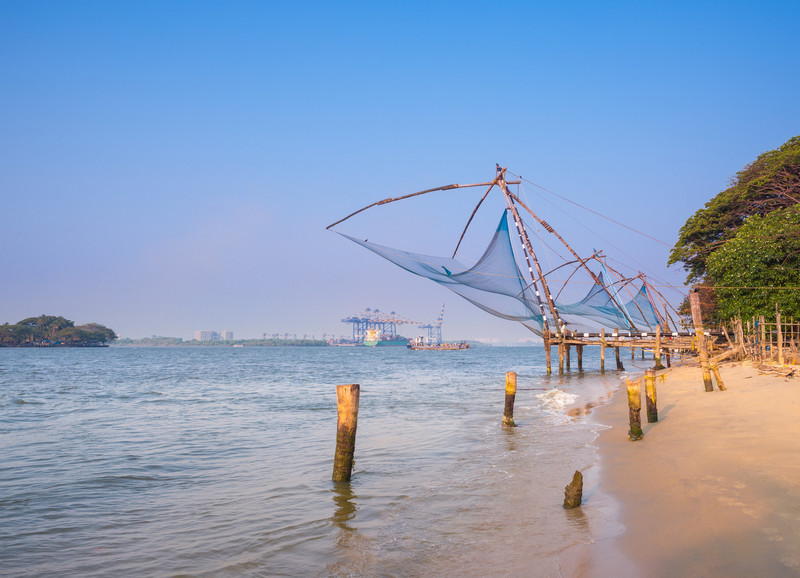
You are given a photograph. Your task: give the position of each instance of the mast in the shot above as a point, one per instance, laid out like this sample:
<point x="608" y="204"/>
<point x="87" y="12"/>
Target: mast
<point x="530" y="256"/>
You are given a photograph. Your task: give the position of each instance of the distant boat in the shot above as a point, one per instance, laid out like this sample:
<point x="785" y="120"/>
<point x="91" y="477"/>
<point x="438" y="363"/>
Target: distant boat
<point x="372" y="338"/>
<point x="420" y="344"/>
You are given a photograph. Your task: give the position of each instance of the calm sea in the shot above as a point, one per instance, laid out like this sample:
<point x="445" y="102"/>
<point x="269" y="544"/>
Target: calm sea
<point x="217" y="462"/>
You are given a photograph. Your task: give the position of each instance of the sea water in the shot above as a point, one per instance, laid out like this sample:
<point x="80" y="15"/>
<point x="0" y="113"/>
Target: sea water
<point x="217" y="461"/>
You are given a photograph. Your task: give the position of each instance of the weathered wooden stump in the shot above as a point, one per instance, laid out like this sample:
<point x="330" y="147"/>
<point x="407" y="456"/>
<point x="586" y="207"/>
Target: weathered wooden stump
<point x="347" y="421"/>
<point x="650" y="395"/>
<point x="635" y="409"/>
<point x="511" y="394"/>
<point x="573" y="492"/>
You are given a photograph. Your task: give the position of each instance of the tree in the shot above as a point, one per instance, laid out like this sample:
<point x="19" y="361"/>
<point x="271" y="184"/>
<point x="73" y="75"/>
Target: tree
<point x="770" y="183"/>
<point x="760" y="266"/>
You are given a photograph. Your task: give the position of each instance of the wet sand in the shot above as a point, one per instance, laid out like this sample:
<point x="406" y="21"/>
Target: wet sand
<point x="713" y="488"/>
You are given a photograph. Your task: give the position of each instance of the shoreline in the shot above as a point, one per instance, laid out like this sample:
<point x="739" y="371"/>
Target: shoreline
<point x="713" y="488"/>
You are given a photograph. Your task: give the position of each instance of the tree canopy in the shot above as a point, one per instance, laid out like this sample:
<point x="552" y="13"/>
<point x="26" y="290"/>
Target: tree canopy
<point x="743" y="246"/>
<point x="760" y="266"/>
<point x="769" y="183"/>
<point x="49" y="330"/>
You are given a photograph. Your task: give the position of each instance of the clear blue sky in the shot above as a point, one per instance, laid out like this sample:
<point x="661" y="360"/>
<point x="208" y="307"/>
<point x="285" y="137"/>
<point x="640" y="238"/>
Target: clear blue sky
<point x="171" y="166"/>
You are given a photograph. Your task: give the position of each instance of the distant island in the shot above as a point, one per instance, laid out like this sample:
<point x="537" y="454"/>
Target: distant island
<point x="53" y="331"/>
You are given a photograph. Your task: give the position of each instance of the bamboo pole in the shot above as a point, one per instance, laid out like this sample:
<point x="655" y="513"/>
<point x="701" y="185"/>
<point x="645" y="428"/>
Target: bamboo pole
<point x="763" y="339"/>
<point x="697" y="317"/>
<point x="634" y="409"/>
<point x="511" y="393"/>
<point x="602" y="350"/>
<point x="347" y="420"/>
<point x="780" y="334"/>
<point x="650" y="395"/>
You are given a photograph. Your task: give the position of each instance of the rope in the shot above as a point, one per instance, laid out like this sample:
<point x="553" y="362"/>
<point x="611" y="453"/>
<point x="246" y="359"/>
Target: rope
<point x="591" y="210"/>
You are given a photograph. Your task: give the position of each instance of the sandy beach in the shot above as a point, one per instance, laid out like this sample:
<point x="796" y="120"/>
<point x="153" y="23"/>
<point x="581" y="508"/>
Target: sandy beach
<point x="713" y="488"/>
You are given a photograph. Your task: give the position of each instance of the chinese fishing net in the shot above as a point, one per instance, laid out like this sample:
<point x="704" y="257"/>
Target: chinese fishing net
<point x="496" y="283"/>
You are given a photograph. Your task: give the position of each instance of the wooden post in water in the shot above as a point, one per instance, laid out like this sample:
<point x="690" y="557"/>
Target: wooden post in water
<point x="347" y="421"/>
<point x="579" y="350"/>
<point x="620" y="367"/>
<point x="602" y="350"/>
<point x="566" y="355"/>
<point x="635" y="409"/>
<point x="511" y="394"/>
<point x="573" y="493"/>
<point x="780" y="334"/>
<point x="650" y="395"/>
<point x="547" y="345"/>
<point x="561" y="355"/>
<point x="697" y="317"/>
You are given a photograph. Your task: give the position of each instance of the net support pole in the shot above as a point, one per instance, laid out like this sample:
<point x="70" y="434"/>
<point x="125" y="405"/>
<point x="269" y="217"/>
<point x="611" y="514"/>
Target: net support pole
<point x="657" y="350"/>
<point x="547" y="344"/>
<point x="602" y="350"/>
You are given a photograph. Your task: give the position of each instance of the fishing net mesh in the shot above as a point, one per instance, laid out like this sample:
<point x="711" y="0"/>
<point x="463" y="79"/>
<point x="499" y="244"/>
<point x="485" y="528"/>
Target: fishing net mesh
<point x="497" y="284"/>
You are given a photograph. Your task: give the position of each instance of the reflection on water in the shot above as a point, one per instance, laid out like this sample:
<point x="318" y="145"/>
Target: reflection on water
<point x="344" y="501"/>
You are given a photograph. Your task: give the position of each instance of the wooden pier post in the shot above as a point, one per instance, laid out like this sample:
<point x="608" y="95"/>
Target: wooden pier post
<point x="617" y="337"/>
<point x="650" y="395"/>
<point x="560" y="355"/>
<point x="347" y="421"/>
<point x="566" y="355"/>
<point x="602" y="350"/>
<point x="511" y="394"/>
<point x="547" y="344"/>
<point x="697" y="317"/>
<point x="634" y="409"/>
<point x="763" y="338"/>
<point x="579" y="351"/>
<point x="657" y="350"/>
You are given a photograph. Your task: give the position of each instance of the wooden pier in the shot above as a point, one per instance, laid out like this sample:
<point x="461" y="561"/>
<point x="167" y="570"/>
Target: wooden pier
<point x="661" y="346"/>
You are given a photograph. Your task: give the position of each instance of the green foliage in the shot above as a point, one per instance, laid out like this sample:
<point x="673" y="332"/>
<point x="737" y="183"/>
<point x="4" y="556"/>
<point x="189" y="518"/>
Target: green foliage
<point x="771" y="182"/>
<point x="759" y="266"/>
<point x="49" y="330"/>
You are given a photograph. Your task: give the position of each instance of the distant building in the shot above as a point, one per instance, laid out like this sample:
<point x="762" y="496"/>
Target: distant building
<point x="203" y="335"/>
